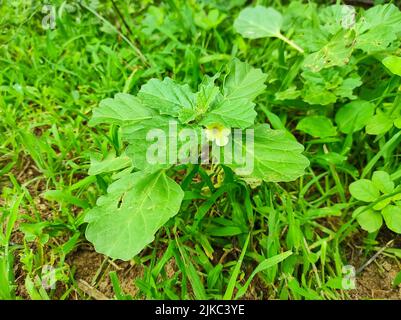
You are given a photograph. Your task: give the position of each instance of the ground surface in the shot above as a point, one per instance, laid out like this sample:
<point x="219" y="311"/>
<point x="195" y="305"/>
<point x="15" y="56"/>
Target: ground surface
<point x="50" y="82"/>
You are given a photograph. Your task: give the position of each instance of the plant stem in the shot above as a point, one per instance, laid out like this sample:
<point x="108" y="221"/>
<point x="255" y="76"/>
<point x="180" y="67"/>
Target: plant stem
<point x="391" y="143"/>
<point x="290" y="42"/>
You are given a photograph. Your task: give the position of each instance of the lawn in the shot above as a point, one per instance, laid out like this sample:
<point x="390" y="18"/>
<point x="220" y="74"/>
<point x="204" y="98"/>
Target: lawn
<point x="84" y="213"/>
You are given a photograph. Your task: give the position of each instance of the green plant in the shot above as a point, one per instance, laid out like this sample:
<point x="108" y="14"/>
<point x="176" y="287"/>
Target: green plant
<point x="142" y="197"/>
<point x="384" y="199"/>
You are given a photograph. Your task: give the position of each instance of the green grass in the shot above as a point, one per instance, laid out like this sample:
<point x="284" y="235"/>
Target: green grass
<point x="278" y="241"/>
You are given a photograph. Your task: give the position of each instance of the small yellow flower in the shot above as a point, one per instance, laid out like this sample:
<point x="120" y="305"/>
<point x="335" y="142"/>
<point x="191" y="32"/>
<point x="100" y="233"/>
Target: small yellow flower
<point x="218" y="133"/>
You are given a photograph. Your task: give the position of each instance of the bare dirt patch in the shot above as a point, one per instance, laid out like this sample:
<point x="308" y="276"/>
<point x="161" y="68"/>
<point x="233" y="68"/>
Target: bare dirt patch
<point x="92" y="269"/>
<point x="375" y="282"/>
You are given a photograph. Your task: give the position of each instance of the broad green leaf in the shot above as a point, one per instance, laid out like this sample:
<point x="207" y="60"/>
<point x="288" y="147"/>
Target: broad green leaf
<point x="232" y="114"/>
<point x="336" y="52"/>
<point x="312" y="39"/>
<point x="354" y="116"/>
<point x="258" y="22"/>
<point x="206" y="95"/>
<point x="392" y="217"/>
<point x="276" y="157"/>
<point x="380" y="15"/>
<point x="393" y="63"/>
<point x="168" y="97"/>
<point x="142" y="136"/>
<point x="235" y="108"/>
<point x="151" y="142"/>
<point x="337" y="17"/>
<point x="106" y="204"/>
<point x="326" y="86"/>
<point x="383" y="182"/>
<point x="289" y="94"/>
<point x="377" y="39"/>
<point x="317" y="126"/>
<point x="380" y="205"/>
<point x="109" y="164"/>
<point x="125" y="222"/>
<point x="364" y="190"/>
<point x="123" y="108"/>
<point x="346" y="88"/>
<point x="316" y="94"/>
<point x="331" y="158"/>
<point x="369" y="220"/>
<point x="379" y="124"/>
<point x="243" y="82"/>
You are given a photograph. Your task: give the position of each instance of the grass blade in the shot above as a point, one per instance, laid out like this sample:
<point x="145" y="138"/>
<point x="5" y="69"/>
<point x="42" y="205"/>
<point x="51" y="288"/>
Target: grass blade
<point x="234" y="275"/>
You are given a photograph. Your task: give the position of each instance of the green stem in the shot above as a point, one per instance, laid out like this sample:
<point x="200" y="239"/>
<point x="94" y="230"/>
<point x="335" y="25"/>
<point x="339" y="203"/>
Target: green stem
<point x="393" y="141"/>
<point x="290" y="42"/>
<point x="396" y="105"/>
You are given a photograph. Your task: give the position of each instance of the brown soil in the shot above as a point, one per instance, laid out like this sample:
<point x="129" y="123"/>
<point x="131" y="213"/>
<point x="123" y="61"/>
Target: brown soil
<point x="92" y="274"/>
<point x="27" y="171"/>
<point x="375" y="282"/>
